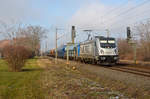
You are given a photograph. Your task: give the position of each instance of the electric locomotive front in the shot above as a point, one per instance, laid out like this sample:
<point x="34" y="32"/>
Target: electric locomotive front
<point x="107" y="50"/>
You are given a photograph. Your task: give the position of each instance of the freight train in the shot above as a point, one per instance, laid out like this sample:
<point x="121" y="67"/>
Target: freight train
<point x="96" y="50"/>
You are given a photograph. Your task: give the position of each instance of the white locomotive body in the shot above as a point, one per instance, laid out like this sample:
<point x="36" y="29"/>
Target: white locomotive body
<point x="99" y="50"/>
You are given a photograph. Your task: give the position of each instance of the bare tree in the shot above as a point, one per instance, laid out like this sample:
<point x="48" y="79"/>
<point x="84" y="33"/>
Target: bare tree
<point x="9" y="30"/>
<point x="16" y="57"/>
<point x="34" y="35"/>
<point x="26" y="35"/>
<point x="125" y="50"/>
<point x="143" y="30"/>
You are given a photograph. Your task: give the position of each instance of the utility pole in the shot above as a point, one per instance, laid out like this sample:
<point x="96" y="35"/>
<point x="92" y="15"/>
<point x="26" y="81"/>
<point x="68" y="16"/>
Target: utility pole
<point x="56" y="48"/>
<point x="130" y="41"/>
<point x="73" y="34"/>
<point x="45" y="46"/>
<point x="67" y="53"/>
<point x="134" y="45"/>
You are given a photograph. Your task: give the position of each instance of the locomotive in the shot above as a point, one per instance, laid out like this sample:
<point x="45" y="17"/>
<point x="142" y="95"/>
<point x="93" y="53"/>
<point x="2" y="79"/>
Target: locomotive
<point x="97" y="50"/>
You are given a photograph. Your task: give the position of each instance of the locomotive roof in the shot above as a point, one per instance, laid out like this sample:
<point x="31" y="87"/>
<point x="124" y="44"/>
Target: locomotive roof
<point x="105" y="38"/>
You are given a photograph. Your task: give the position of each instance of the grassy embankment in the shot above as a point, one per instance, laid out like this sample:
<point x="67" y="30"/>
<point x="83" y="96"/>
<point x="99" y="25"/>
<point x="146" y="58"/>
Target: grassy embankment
<point x="20" y="85"/>
<point x="51" y="81"/>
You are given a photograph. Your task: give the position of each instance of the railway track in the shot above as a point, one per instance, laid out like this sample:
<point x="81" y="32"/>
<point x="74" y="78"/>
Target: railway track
<point x="135" y="69"/>
<point x="128" y="70"/>
<point x="131" y="70"/>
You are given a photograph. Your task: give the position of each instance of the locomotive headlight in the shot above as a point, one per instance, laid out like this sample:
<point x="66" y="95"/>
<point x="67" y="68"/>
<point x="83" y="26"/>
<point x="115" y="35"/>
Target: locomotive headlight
<point x="102" y="52"/>
<point x="115" y="58"/>
<point x="103" y="58"/>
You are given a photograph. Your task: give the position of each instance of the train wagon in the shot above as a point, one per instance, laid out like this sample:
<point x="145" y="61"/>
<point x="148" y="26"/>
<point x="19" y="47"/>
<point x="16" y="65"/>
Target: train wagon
<point x="52" y="53"/>
<point x="73" y="51"/>
<point x="61" y="51"/>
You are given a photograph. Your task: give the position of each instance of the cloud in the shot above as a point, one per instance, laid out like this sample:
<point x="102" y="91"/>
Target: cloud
<point x="116" y="19"/>
<point x="17" y="10"/>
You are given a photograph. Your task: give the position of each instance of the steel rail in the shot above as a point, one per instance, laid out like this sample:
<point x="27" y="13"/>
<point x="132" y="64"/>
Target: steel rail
<point x="130" y="71"/>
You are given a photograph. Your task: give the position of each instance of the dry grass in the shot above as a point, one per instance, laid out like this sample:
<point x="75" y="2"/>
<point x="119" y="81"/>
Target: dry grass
<point x="66" y="81"/>
<point x="63" y="81"/>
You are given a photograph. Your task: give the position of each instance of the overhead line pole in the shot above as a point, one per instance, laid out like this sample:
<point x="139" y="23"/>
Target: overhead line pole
<point x="107" y="30"/>
<point x="56" y="48"/>
<point x="133" y="44"/>
<point x="56" y="39"/>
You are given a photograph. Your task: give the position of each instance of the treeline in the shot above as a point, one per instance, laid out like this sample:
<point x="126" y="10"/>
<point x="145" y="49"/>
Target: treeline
<point x="23" y="43"/>
<point x="142" y="43"/>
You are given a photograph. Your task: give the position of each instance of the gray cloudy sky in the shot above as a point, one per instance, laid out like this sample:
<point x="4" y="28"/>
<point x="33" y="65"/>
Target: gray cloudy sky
<point x="114" y="15"/>
<point x="18" y="10"/>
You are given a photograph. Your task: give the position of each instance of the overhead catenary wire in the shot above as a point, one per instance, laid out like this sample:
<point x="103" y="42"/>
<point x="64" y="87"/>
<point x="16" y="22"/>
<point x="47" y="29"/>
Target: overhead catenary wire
<point x="122" y="13"/>
<point x="128" y="10"/>
<point x="116" y="8"/>
<point x="135" y="15"/>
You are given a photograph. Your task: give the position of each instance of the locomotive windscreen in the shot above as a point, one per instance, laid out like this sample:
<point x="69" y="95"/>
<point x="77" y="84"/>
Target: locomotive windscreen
<point x="107" y="42"/>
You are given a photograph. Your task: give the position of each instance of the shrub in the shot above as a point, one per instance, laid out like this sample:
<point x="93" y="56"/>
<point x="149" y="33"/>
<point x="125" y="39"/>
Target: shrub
<point x="125" y="50"/>
<point x="16" y="57"/>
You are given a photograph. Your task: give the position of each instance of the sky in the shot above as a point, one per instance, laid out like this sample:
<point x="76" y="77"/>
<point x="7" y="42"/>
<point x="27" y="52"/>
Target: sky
<point x="97" y="15"/>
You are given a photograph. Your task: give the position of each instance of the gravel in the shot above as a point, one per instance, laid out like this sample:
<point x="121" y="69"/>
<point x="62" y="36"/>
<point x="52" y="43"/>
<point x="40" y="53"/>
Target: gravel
<point x="133" y="79"/>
